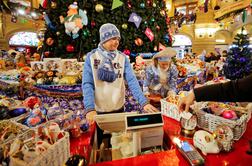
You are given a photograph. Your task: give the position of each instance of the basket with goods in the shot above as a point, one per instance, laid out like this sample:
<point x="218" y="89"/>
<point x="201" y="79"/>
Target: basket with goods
<point x="9" y="130"/>
<point x="169" y="105"/>
<point x="47" y="145"/>
<point x="210" y="115"/>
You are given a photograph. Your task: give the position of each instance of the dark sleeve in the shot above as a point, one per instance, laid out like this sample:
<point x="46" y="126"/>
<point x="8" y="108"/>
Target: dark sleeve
<point x="233" y="91"/>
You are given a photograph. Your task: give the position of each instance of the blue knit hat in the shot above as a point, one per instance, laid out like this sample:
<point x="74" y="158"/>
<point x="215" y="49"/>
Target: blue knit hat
<point x="108" y="31"/>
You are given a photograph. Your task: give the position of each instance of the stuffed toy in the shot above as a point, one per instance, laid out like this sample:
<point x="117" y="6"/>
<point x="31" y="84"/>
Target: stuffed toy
<point x="74" y="20"/>
<point x="39" y="77"/>
<point x="51" y="76"/>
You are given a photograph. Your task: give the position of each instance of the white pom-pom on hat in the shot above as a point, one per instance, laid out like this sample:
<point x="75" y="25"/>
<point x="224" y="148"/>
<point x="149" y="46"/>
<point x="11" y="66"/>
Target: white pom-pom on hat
<point x="73" y="6"/>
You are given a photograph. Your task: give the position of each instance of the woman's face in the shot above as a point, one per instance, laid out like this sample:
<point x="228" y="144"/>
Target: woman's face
<point x="111" y="44"/>
<point x="164" y="65"/>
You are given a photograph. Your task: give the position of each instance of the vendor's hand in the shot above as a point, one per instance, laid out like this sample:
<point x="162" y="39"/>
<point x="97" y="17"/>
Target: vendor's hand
<point x="148" y="108"/>
<point x="90" y="117"/>
<point x="185" y="102"/>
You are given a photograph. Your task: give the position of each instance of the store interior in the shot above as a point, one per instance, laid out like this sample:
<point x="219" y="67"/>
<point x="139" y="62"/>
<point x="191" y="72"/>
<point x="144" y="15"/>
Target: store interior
<point x="125" y="82"/>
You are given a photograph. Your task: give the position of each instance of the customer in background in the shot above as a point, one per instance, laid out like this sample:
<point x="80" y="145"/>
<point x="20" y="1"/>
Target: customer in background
<point x="162" y="75"/>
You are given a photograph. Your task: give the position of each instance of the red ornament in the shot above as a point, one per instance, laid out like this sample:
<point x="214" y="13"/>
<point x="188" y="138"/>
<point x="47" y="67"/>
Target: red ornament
<point x="92" y="24"/>
<point x="126" y="52"/>
<point x="129" y="4"/>
<point x="229" y="114"/>
<point x="70" y="48"/>
<point x="47" y="53"/>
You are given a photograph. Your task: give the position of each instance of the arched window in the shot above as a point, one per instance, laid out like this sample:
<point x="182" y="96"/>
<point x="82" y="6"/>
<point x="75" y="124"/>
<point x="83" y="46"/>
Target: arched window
<point x="24" y="39"/>
<point x="182" y="40"/>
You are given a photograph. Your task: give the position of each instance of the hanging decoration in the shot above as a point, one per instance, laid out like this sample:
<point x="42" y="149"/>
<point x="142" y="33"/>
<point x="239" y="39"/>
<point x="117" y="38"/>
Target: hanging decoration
<point x="124" y="26"/>
<point x="74" y="21"/>
<point x="142" y="5"/>
<point x="99" y="8"/>
<point x="116" y="4"/>
<point x="48" y="22"/>
<point x="53" y="5"/>
<point x="149" y="34"/>
<point x="206" y="6"/>
<point x="49" y="41"/>
<point x="135" y="19"/>
<point x="70" y="48"/>
<point x="129" y="4"/>
<point x="244" y="16"/>
<point x="138" y="41"/>
<point x="149" y="2"/>
<point x="126" y="52"/>
<point x="93" y="23"/>
<point x="13" y="19"/>
<point x="43" y="3"/>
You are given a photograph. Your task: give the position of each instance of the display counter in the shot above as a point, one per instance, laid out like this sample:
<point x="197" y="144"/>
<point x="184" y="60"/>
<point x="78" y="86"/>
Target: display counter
<point x="237" y="156"/>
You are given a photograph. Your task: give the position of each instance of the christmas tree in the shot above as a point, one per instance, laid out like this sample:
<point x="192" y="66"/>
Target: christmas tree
<point x="239" y="63"/>
<point x="142" y="23"/>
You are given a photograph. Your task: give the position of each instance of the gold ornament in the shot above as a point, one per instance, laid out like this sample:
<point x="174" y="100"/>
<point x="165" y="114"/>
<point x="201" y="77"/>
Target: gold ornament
<point x="99" y="8"/>
<point x="53" y="5"/>
<point x="162" y="12"/>
<point x="124" y="26"/>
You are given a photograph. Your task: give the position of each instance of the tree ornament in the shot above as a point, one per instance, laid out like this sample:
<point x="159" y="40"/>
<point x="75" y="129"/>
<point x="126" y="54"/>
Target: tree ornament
<point x="99" y="8"/>
<point x="162" y="12"/>
<point x="153" y="19"/>
<point x="116" y="4"/>
<point x="43" y="3"/>
<point x="124" y="26"/>
<point x="158" y="27"/>
<point x="41" y="34"/>
<point x="86" y="33"/>
<point x="135" y="19"/>
<point x="47" y="53"/>
<point x="74" y="21"/>
<point x="145" y="23"/>
<point x="129" y="4"/>
<point x="13" y="19"/>
<point x="53" y="5"/>
<point x="142" y="5"/>
<point x="138" y="41"/>
<point x="149" y="2"/>
<point x="58" y="33"/>
<point x="49" y="41"/>
<point x="70" y="48"/>
<point x="93" y="23"/>
<point x="155" y="48"/>
<point x="126" y="52"/>
<point x="154" y="5"/>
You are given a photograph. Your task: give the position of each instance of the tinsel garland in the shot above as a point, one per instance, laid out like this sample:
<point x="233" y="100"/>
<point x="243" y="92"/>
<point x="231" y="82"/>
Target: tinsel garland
<point x="50" y="93"/>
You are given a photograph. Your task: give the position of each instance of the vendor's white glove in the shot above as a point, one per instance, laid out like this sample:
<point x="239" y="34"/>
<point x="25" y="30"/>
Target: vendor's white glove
<point x="148" y="108"/>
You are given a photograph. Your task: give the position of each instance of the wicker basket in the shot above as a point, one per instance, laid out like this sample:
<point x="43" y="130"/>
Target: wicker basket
<point x="56" y="155"/>
<point x="170" y="109"/>
<point x="14" y="127"/>
<point x="210" y="122"/>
